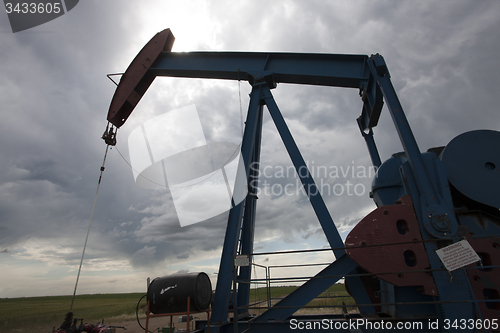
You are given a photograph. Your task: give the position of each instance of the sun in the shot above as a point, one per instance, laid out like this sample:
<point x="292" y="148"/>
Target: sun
<point x="189" y="21"/>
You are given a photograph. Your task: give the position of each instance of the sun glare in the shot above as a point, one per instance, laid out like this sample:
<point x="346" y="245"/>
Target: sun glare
<point x="189" y="21"/>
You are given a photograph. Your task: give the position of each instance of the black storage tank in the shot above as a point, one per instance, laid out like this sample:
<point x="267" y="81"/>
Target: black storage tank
<point x="169" y="294"/>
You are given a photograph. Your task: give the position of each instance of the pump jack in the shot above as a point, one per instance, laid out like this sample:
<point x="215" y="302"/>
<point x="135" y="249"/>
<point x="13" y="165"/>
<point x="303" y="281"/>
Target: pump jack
<point x="426" y="201"/>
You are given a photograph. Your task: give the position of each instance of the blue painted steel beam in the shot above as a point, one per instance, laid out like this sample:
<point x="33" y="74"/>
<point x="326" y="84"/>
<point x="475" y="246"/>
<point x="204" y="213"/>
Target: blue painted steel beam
<point x="381" y="73"/>
<point x="248" y="228"/>
<point x="226" y="269"/>
<point x="429" y="200"/>
<point x="339" y="70"/>
<point x="455" y="296"/>
<point x="370" y="143"/>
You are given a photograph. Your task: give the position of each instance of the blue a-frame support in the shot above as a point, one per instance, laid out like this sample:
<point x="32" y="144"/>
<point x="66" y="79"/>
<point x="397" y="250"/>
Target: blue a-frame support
<point x="431" y="201"/>
<point x="240" y="226"/>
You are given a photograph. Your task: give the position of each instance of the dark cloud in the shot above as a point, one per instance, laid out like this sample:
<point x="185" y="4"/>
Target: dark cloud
<point x="54" y="98"/>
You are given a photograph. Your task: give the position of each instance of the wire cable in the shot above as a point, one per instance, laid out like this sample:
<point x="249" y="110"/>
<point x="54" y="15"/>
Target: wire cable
<point x="88" y="230"/>
<point x="241" y="109"/>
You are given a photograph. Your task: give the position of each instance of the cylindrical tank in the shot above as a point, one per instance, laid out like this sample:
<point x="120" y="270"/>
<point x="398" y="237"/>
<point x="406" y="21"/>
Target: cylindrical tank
<point x="169" y="294"/>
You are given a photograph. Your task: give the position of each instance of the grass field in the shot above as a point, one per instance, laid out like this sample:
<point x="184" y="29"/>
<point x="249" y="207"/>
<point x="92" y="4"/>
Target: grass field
<point x="329" y="301"/>
<point x="41" y="314"/>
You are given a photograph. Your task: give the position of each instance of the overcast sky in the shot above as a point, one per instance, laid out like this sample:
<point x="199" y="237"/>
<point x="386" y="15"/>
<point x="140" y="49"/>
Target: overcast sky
<point x="54" y="94"/>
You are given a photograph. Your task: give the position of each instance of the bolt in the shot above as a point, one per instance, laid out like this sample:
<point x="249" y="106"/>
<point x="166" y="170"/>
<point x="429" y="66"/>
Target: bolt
<point x="440" y="222"/>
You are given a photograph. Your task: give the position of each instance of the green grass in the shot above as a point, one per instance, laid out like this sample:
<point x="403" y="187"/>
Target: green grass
<point x="332" y="301"/>
<point x="40" y="314"/>
<point x="276" y="292"/>
<point x="43" y="313"/>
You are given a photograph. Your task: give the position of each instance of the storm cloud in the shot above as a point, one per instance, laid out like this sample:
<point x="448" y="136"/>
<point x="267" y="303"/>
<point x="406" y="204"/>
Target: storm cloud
<point x="54" y="97"/>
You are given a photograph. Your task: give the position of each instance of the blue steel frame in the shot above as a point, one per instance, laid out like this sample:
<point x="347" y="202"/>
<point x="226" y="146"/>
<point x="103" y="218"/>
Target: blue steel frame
<point x="368" y="74"/>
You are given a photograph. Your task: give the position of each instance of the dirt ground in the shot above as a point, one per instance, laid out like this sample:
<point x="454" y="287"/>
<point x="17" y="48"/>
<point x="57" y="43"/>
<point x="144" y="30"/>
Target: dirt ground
<point x="155" y="324"/>
<point x="129" y="322"/>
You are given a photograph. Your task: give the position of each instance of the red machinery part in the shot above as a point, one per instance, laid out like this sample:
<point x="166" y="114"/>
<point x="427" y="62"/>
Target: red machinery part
<point x="485" y="280"/>
<point x="135" y="81"/>
<point x="387" y="243"/>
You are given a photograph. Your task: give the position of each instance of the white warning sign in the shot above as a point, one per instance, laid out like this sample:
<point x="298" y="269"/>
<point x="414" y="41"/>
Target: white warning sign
<point x="242" y="260"/>
<point x="457" y="255"/>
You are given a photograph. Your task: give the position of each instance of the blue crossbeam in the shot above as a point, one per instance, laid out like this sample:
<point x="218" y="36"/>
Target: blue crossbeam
<point x="337" y="70"/>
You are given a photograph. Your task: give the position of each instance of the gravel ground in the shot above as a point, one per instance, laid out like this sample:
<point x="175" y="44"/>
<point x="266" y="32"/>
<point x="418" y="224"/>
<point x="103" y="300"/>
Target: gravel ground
<point x="155" y="324"/>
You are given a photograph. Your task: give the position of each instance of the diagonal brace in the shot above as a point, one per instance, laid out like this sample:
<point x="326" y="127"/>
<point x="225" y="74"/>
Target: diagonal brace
<point x="309" y="290"/>
<point x="305" y="176"/>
